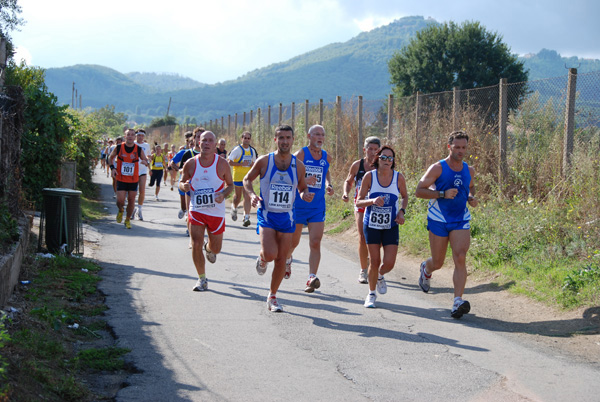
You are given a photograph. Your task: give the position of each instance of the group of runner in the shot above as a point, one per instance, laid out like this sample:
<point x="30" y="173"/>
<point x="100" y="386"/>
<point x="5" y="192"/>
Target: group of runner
<point x="292" y="195"/>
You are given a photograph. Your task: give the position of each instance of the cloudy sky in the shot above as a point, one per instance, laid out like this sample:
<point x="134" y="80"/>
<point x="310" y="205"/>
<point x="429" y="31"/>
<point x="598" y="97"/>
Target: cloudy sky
<point x="217" y="40"/>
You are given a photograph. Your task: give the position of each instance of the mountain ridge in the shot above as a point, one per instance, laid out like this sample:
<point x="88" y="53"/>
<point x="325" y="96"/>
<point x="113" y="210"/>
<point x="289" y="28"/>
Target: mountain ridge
<point x="355" y="67"/>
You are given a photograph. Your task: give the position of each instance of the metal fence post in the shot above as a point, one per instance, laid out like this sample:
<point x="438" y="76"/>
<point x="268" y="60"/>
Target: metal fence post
<point x="338" y="125"/>
<point x="390" y="116"/>
<point x="320" y="112"/>
<point x="280" y="113"/>
<point x="244" y="121"/>
<point x="502" y="121"/>
<point x="229" y="125"/>
<point x="455" y="107"/>
<point x="306" y="116"/>
<point x="257" y="121"/>
<point x="569" y="121"/>
<point x="417" y="117"/>
<point x="251" y="117"/>
<point x="293" y="115"/>
<point x="360" y="125"/>
<point x="268" y="132"/>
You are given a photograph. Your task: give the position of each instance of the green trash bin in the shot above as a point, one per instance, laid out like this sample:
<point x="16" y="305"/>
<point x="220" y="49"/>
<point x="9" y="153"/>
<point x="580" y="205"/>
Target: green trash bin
<point x="61" y="220"/>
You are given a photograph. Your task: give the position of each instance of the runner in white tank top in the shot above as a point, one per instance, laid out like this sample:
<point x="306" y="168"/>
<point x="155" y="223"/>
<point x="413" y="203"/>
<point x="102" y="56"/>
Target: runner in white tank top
<point x="208" y="179"/>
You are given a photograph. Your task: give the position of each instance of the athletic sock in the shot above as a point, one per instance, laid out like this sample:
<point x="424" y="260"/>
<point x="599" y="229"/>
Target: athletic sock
<point x="201" y="276"/>
<point x="373" y="292"/>
<point x="271" y="295"/>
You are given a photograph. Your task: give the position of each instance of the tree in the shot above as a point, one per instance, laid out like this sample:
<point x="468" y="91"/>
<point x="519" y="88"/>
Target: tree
<point x="441" y="57"/>
<point x="9" y="20"/>
<point x="163" y="121"/>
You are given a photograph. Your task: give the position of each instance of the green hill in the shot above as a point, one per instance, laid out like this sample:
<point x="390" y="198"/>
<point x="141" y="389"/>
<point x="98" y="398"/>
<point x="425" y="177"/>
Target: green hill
<point x="355" y="67"/>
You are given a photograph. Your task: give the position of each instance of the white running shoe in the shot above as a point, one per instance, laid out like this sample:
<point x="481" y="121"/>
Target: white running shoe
<point x="273" y="306"/>
<point x="312" y="283"/>
<point x="261" y="266"/>
<point x="381" y="286"/>
<point x="363" y="277"/>
<point x="288" y="268"/>
<point x="140" y="216"/>
<point x="201" y="285"/>
<point x="134" y="213"/>
<point x="181" y="213"/>
<point x="156" y="197"/>
<point x="424" y="281"/>
<point x="370" y="300"/>
<point x="233" y="213"/>
<point x="460" y="308"/>
<point x="210" y="256"/>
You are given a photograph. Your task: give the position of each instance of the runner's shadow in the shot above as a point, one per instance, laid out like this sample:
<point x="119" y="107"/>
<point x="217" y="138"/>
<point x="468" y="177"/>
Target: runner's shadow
<point x="368" y="331"/>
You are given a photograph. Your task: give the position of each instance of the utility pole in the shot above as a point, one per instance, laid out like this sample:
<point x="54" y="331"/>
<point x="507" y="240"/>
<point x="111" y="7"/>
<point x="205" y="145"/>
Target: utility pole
<point x="169" y="107"/>
<point x="73" y="96"/>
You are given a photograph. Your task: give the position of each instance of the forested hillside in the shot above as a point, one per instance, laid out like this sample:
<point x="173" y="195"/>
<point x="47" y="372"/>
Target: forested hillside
<point x="355" y="67"/>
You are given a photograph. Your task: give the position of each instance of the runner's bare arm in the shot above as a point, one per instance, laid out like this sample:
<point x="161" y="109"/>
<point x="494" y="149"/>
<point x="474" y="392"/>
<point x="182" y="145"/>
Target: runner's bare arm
<point x="361" y="200"/>
<point x="186" y="175"/>
<point x="428" y="179"/>
<point x="225" y="175"/>
<point x="404" y="195"/>
<point x="472" y="200"/>
<point x="305" y="194"/>
<point x="350" y="180"/>
<point x="258" y="169"/>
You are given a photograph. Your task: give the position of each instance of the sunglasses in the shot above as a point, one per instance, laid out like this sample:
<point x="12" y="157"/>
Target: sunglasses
<point x="386" y="158"/>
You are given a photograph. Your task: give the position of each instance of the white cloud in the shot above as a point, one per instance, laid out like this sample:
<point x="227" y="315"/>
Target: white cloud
<point x="22" y="53"/>
<point x="371" y="22"/>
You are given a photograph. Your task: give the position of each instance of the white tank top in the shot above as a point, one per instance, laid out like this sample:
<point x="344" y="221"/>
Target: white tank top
<point x="204" y="184"/>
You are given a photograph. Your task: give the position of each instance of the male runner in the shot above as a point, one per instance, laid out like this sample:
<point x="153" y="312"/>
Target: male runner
<point x="241" y="159"/>
<point x="126" y="173"/>
<point x="140" y="141"/>
<point x="207" y="177"/>
<point x="316" y="162"/>
<point x="280" y="175"/>
<point x="355" y="175"/>
<point x="448" y="185"/>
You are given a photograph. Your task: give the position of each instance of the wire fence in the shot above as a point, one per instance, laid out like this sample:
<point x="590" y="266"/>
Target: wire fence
<point x="523" y="136"/>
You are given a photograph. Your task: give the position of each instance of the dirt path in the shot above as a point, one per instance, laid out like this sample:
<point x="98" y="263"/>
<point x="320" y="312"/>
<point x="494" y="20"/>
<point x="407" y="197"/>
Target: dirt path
<point x="573" y="333"/>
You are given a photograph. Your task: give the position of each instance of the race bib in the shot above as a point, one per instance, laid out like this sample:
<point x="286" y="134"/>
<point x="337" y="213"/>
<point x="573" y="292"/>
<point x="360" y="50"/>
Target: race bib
<point x="205" y="198"/>
<point x="381" y="217"/>
<point x="127" y="168"/>
<point x="158" y="164"/>
<point x="280" y="196"/>
<point x="315" y="171"/>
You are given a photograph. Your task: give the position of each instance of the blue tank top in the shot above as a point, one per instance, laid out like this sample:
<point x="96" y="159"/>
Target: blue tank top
<point x="278" y="187"/>
<point x="317" y="168"/>
<point x="382" y="217"/>
<point x="451" y="210"/>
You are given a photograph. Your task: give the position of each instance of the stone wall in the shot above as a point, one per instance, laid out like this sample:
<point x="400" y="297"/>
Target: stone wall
<point x="10" y="264"/>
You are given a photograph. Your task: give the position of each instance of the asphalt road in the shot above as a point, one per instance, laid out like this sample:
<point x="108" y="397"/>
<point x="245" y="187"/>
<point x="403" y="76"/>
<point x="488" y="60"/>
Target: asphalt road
<point x="223" y="344"/>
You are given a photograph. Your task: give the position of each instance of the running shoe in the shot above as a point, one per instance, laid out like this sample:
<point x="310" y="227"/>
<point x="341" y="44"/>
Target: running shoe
<point x="460" y="308"/>
<point x="140" y="216"/>
<point x="127" y="224"/>
<point x="288" y="268"/>
<point x="363" y="277"/>
<point x="187" y="232"/>
<point x="273" y="306"/>
<point x="181" y="213"/>
<point x="246" y="222"/>
<point x="133" y="213"/>
<point x="312" y="283"/>
<point x="120" y="216"/>
<point x="261" y="266"/>
<point x="424" y="280"/>
<point x="156" y="197"/>
<point x="381" y="286"/>
<point x="171" y="188"/>
<point x="201" y="285"/>
<point x="210" y="256"/>
<point x="233" y="213"/>
<point x="370" y="300"/>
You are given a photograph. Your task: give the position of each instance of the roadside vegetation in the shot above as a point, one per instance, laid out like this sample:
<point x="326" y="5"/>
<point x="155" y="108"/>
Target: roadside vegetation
<point x="54" y="342"/>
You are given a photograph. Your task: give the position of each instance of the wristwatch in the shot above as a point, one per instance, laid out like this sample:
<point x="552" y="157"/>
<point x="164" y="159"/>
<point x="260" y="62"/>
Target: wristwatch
<point x="403" y="211"/>
<point x="442" y="194"/>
